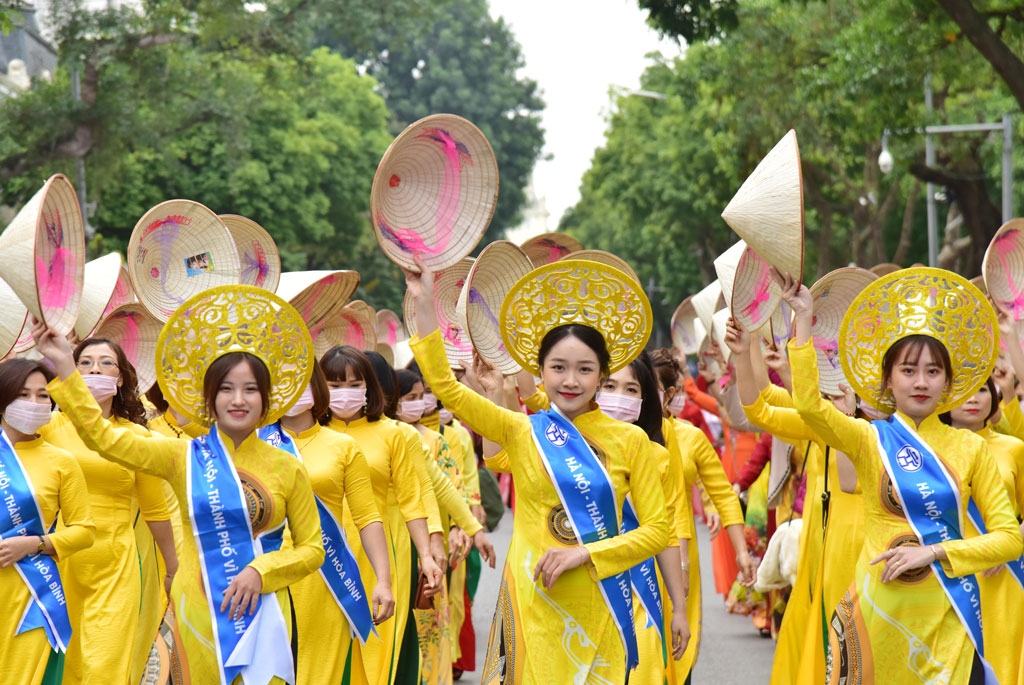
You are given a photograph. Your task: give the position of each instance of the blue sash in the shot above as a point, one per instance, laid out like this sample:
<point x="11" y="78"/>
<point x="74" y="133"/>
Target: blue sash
<point x="588" y="497"/>
<point x="931" y="503"/>
<point x="257" y="645"/>
<point x="21" y="515"/>
<point x="1017" y="565"/>
<point x="644" y="578"/>
<point x="340" y="570"/>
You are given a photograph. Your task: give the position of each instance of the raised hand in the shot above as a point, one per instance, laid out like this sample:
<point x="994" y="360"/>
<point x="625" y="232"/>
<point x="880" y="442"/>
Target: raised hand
<point x="737" y="339"/>
<point x="54" y="347"/>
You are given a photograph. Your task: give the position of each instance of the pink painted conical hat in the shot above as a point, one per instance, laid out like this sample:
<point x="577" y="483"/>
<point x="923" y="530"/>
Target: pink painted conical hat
<point x="136" y="331"/>
<point x="258" y="257"/>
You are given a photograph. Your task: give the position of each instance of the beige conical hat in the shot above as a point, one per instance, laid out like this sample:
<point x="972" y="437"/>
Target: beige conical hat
<point x="317" y="295"/>
<point x="725" y="267"/>
<point x="447" y="286"/>
<point x="43" y="252"/>
<point x="124" y="293"/>
<point x="768" y="209"/>
<point x="707" y="302"/>
<point x="369" y="313"/>
<point x="687" y="330"/>
<point x="434" y="192"/>
<point x="833" y="294"/>
<point x="178" y="249"/>
<point x="704" y="353"/>
<point x="13" y="316"/>
<point x="136" y="330"/>
<point x="348" y="326"/>
<point x="100" y="288"/>
<point x="495" y="271"/>
<point x="388" y="352"/>
<point x="755" y="294"/>
<point x="390" y="330"/>
<point x="718" y="328"/>
<point x="25" y="341"/>
<point x="258" y="257"/>
<point x="884" y="269"/>
<point x="608" y="258"/>
<point x="780" y="327"/>
<point x="1003" y="268"/>
<point x="548" y="248"/>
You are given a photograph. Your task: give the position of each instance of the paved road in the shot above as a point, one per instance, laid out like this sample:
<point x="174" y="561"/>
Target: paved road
<point x="731" y="652"/>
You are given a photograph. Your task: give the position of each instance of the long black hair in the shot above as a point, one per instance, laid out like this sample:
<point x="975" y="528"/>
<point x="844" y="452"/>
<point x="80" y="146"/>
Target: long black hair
<point x="650" y="410"/>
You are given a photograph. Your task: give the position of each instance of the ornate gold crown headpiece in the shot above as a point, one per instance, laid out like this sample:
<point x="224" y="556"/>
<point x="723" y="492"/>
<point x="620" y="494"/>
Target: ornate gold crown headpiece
<point x="919" y="301"/>
<point x="575" y="291"/>
<point x="233" y="318"/>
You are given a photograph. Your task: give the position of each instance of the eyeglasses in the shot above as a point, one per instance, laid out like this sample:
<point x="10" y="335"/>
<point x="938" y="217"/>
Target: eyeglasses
<point x="105" y="364"/>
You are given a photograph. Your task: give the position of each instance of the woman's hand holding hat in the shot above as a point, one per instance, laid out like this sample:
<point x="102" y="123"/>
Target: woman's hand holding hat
<point x="54" y="347"/>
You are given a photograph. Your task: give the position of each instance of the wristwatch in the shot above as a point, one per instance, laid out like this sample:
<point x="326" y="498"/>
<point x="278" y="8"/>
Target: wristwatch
<point x="42" y="544"/>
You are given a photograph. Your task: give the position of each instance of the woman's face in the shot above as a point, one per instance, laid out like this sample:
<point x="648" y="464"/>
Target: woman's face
<point x="351" y="380"/>
<point x="99" y="358"/>
<point x="238" y="403"/>
<point x="973" y="414"/>
<point x="35" y="390"/>
<point x="622" y="382"/>
<point x="571" y="375"/>
<point x="917" y="385"/>
<point x="415" y="393"/>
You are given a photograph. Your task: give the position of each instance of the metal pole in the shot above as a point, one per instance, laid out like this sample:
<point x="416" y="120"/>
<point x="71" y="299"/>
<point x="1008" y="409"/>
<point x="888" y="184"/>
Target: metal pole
<point x="76" y="92"/>
<point x="1007" y="168"/>
<point x="929" y="160"/>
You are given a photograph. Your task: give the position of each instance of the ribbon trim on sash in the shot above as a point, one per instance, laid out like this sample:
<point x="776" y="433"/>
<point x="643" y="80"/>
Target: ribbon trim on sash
<point x="931" y="502"/>
<point x="21" y="515"/>
<point x="588" y="497"/>
<point x="340" y="570"/>
<point x="1017" y="565"/>
<point x="255" y="646"/>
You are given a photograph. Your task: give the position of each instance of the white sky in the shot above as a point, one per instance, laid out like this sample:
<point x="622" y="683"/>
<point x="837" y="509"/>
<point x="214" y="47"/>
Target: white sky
<point x="575" y="50"/>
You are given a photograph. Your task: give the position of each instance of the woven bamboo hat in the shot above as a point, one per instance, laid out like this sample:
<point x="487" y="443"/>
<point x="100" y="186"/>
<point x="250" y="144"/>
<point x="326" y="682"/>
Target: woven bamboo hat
<point x="548" y="248"/>
<point x="13" y="315"/>
<point x="499" y="266"/>
<point x="43" y="252"/>
<point x="687" y="329"/>
<point x="755" y="294"/>
<point x="447" y="286"/>
<point x="369" y="313"/>
<point x="258" y="256"/>
<point x="99" y="290"/>
<point x="233" y="318"/>
<point x="833" y="294"/>
<point x="780" y="328"/>
<point x="768" y="209"/>
<point x="348" y="326"/>
<point x="704" y="353"/>
<point x="884" y="269"/>
<point x="919" y="301"/>
<point x="317" y="295"/>
<point x="390" y="330"/>
<point x="388" y="352"/>
<point x="136" y="331"/>
<point x="718" y="328"/>
<point x="1003" y="268"/>
<point x="707" y="302"/>
<point x="573" y="291"/>
<point x="434" y="192"/>
<point x="725" y="267"/>
<point x="607" y="258"/>
<point x="178" y="249"/>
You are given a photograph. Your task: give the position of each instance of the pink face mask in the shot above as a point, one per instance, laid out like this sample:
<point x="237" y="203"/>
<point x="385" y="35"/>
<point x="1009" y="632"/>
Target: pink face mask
<point x="102" y="387"/>
<point x="410" y="411"/>
<point x="429" y="402"/>
<point x="676" y="404"/>
<point x="27" y="417"/>
<point x="446" y="416"/>
<point x="622" y="407"/>
<point x="345" y="402"/>
<point x="304" y="403"/>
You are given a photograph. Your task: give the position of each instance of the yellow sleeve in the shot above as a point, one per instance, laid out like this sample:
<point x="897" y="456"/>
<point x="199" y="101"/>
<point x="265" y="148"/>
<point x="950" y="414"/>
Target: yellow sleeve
<point x="712" y="475"/>
<point x="73" y="498"/>
<point x="783" y="423"/>
<point x="705" y="499"/>
<point x="285" y="566"/>
<point x="499" y="463"/>
<point x="491" y="421"/>
<point x="416" y="457"/>
<point x="1003" y="539"/>
<point x="670" y="489"/>
<point x="357" y="487"/>
<point x="676" y="492"/>
<point x="538" y="401"/>
<point x="452" y="501"/>
<point x="152" y="498"/>
<point x="470" y="472"/>
<point x="1013" y="418"/>
<point x="1018" y="478"/>
<point x="156" y="456"/>
<point x="616" y="554"/>
<point x="777" y="397"/>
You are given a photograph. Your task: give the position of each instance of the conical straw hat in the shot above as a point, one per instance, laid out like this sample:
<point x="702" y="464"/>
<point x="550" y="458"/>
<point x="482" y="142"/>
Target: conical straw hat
<point x="755" y="294"/>
<point x="43" y="252"/>
<point x="389" y="328"/>
<point x="369" y="313"/>
<point x="13" y="316"/>
<point x="136" y="330"/>
<point x="123" y="292"/>
<point x="884" y="269"/>
<point x="447" y="286"/>
<point x="768" y="209"/>
<point x="348" y="326"/>
<point x="388" y="352"/>
<point x="258" y="256"/>
<point x="707" y="302"/>
<point x="725" y="267"/>
<point x="1003" y="268"/>
<point x="494" y="272"/>
<point x="833" y="294"/>
<point x="704" y="353"/>
<point x="718" y="328"/>
<point x="608" y="258"/>
<point x="317" y="295"/>
<point x="434" y="192"/>
<point x="687" y="330"/>
<point x="100" y="288"/>
<point x="178" y="249"/>
<point x="548" y="248"/>
<point x="25" y="341"/>
<point x="780" y="327"/>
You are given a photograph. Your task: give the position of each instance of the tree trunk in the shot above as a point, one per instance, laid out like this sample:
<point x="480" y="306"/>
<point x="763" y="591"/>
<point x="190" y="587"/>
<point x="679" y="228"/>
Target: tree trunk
<point x="903" y="246"/>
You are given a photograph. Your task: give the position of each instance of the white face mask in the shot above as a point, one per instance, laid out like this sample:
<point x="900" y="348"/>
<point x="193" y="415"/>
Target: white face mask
<point x="446" y="416"/>
<point x="345" y="402"/>
<point x="676" y="404"/>
<point x="622" y="407"/>
<point x="410" y="411"/>
<point x="429" y="403"/>
<point x="102" y="387"/>
<point x="27" y="417"/>
<point x="304" y="403"/>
